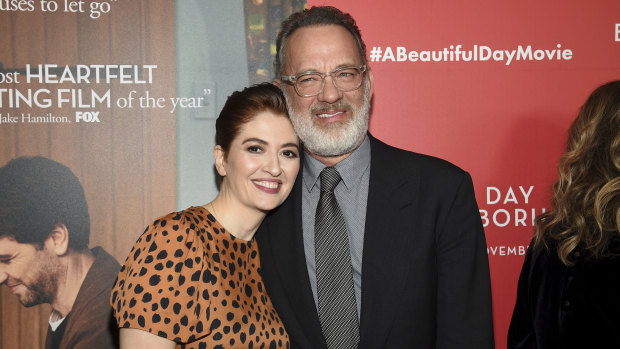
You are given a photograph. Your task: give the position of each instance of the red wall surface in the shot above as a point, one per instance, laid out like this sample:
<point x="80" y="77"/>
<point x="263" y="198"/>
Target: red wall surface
<point x="500" y="113"/>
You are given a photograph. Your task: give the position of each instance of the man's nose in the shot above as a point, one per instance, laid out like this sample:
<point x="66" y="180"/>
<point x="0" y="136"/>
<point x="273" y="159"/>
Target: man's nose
<point x="330" y="93"/>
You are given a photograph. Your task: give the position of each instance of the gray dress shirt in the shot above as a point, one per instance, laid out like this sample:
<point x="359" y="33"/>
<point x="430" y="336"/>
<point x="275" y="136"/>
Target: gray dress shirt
<point x="352" y="196"/>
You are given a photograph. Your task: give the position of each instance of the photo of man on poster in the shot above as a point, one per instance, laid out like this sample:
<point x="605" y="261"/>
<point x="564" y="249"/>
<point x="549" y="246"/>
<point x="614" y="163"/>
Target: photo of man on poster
<point x="44" y="254"/>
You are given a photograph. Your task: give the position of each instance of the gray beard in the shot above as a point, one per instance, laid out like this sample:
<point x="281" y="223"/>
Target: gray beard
<point x="344" y="138"/>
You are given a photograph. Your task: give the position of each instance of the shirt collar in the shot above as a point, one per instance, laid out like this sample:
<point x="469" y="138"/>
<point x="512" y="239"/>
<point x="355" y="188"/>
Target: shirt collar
<point x="350" y="168"/>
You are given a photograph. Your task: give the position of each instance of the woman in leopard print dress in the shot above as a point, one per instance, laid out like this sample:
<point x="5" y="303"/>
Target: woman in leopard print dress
<point x="192" y="279"/>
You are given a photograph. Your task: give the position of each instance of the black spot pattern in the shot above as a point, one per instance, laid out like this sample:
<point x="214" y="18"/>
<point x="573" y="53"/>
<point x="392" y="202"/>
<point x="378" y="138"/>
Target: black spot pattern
<point x="188" y="280"/>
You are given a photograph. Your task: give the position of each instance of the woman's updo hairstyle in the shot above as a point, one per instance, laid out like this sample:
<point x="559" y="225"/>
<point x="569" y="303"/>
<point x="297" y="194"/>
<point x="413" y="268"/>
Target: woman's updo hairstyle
<point x="242" y="106"/>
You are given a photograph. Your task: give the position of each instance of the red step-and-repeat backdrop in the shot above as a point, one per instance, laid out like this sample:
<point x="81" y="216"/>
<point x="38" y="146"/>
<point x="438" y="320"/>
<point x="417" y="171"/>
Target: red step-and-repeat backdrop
<point x="491" y="86"/>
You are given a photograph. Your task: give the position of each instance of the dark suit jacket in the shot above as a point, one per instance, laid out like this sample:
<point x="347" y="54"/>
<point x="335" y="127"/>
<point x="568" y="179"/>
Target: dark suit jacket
<point x="425" y="273"/>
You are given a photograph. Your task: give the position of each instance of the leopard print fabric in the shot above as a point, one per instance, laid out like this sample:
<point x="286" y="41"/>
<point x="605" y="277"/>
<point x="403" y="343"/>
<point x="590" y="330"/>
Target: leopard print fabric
<point x="189" y="280"/>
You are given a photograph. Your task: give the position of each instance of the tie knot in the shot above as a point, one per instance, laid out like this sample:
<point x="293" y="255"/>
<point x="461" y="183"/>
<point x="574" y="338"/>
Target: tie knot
<point x="329" y="179"/>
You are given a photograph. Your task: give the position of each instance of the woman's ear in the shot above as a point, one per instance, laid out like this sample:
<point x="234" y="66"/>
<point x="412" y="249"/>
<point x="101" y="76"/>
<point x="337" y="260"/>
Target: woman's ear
<point x="218" y="154"/>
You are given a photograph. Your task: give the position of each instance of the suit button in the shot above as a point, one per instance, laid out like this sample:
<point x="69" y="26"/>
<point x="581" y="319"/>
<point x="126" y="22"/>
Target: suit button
<point x="566" y="304"/>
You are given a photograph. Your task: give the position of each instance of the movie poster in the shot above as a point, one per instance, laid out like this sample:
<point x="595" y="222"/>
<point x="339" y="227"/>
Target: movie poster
<point x="117" y="90"/>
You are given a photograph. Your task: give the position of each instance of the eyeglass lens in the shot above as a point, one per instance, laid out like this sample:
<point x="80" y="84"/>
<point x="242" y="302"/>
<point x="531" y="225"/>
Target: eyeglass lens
<point x="345" y="80"/>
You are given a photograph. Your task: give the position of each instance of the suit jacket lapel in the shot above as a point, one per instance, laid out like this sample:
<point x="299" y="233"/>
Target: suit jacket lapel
<point x="390" y="216"/>
<point x="290" y="261"/>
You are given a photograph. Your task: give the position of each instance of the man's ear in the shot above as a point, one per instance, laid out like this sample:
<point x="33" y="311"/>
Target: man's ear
<point x="277" y="82"/>
<point x="218" y="154"/>
<point x="371" y="80"/>
<point x="58" y="240"/>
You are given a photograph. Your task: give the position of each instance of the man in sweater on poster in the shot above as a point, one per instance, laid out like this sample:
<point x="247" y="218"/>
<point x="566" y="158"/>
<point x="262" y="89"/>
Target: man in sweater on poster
<point x="44" y="254"/>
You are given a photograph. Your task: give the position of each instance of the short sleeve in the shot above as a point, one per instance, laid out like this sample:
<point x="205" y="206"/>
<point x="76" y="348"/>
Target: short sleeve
<point x="163" y="286"/>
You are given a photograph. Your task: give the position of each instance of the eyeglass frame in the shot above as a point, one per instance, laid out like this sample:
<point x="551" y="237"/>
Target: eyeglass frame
<point x="292" y="79"/>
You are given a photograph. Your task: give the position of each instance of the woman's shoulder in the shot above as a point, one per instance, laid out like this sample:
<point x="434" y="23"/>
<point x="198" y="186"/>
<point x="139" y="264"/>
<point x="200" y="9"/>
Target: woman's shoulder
<point x="173" y="233"/>
<point x="163" y="274"/>
<point x="188" y="221"/>
<point x="194" y="215"/>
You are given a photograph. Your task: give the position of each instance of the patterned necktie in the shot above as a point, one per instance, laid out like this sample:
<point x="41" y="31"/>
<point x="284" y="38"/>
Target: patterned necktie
<point x="334" y="275"/>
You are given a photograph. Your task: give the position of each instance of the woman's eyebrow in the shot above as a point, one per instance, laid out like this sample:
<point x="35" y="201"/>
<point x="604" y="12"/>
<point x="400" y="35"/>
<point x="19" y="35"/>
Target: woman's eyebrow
<point x="258" y="140"/>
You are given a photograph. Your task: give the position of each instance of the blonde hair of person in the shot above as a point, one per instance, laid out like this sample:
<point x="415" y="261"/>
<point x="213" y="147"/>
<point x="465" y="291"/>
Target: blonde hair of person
<point x="585" y="213"/>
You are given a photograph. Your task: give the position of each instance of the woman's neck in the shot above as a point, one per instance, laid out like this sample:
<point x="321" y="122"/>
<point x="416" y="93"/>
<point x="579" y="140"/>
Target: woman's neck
<point x="239" y="220"/>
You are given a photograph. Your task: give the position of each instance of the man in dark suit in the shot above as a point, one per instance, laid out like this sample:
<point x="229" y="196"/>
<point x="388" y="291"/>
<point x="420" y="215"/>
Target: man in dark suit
<point x="418" y="267"/>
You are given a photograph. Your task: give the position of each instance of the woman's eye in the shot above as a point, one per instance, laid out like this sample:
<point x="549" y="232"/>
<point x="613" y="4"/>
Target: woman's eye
<point x="289" y="154"/>
<point x="254" y="149"/>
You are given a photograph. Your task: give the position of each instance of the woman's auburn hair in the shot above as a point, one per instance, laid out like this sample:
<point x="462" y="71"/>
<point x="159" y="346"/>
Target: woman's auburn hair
<point x="585" y="212"/>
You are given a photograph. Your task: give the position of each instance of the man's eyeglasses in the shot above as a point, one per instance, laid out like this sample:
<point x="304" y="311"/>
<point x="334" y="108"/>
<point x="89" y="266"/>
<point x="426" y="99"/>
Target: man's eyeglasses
<point x="311" y="83"/>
